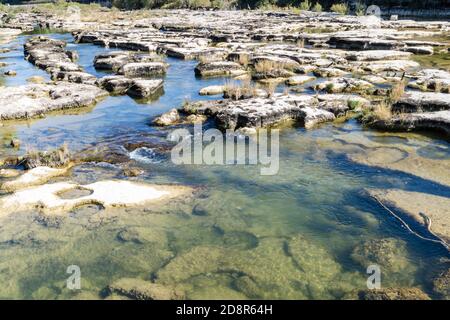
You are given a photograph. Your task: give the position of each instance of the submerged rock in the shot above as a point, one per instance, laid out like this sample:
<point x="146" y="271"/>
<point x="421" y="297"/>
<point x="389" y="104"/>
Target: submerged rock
<point x="422" y="102"/>
<point x="132" y="171"/>
<point x="420" y="207"/>
<point x="393" y="294"/>
<point x="262" y="270"/>
<point x="143" y="69"/>
<point x="402" y="157"/>
<point x="312" y="259"/>
<point x="388" y="253"/>
<point x="145" y="290"/>
<point x="441" y="284"/>
<point x="427" y="121"/>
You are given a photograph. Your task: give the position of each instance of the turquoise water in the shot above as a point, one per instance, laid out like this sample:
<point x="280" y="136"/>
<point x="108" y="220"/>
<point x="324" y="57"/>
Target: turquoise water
<point x="239" y="219"/>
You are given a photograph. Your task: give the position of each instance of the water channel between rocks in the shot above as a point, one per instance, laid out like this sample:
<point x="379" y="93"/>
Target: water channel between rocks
<point x="292" y="235"/>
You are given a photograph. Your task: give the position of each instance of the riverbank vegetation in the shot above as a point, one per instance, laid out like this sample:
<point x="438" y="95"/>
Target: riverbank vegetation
<point x="337" y="6"/>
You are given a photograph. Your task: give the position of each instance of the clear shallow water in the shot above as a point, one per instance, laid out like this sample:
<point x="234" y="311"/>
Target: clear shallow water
<point x="239" y="219"/>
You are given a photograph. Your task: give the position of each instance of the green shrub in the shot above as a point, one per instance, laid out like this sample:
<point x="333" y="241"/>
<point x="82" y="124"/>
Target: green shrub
<point x="305" y="5"/>
<point x="341" y="8"/>
<point x="317" y="7"/>
<point x="360" y="9"/>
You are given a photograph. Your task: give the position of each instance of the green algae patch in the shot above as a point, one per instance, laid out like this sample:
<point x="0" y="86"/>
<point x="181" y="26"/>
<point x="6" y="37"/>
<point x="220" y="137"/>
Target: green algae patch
<point x="437" y="60"/>
<point x="144" y="290"/>
<point x="389" y="254"/>
<point x="276" y="269"/>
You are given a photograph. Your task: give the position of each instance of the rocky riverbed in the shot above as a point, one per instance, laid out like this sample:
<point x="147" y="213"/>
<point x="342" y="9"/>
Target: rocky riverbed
<point x="347" y="98"/>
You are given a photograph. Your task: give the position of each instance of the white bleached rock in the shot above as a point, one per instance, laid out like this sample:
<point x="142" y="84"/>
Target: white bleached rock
<point x="168" y="118"/>
<point x="109" y="193"/>
<point x="211" y="90"/>
<point x="33" y="177"/>
<point x="374" y="55"/>
<point x="143" y="69"/>
<point x="298" y="80"/>
<point x="31" y="100"/>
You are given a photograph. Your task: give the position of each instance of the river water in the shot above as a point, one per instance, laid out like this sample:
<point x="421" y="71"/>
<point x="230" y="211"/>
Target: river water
<point x="254" y="221"/>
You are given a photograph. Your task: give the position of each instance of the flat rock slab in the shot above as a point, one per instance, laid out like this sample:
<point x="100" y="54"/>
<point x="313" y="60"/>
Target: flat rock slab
<point x="311" y="117"/>
<point x="143" y="69"/>
<point x="144" y="88"/>
<point x="262" y="112"/>
<point x="7" y="34"/>
<point x="299" y="80"/>
<point x="111" y="60"/>
<point x="436" y="208"/>
<point x="374" y="55"/>
<point x="339" y="85"/>
<point x="427" y="50"/>
<point x="33" y="177"/>
<point x="145" y="290"/>
<point x="366" y="43"/>
<point x="115" y="84"/>
<point x="109" y="193"/>
<point x="422" y="101"/>
<point x="219" y="68"/>
<point x="26" y="101"/>
<point x="134" y="87"/>
<point x="73" y="76"/>
<point x="212" y="90"/>
<point x="114" y="60"/>
<point x="425" y="121"/>
<point x="49" y="54"/>
<point x="390" y="65"/>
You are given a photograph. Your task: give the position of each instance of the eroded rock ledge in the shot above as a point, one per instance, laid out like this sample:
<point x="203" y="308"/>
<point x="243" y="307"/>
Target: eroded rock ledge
<point x="109" y="193"/>
<point x="51" y="56"/>
<point x="33" y="100"/>
<point x="419" y="111"/>
<point x="307" y="110"/>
